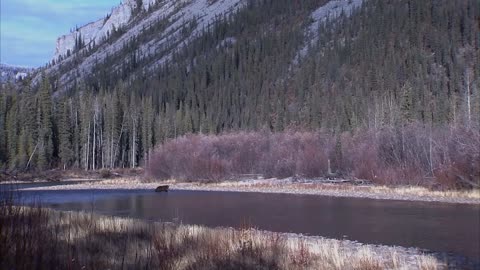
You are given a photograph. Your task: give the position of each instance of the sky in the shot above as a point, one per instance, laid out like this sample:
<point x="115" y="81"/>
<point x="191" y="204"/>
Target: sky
<point x="29" y="28"/>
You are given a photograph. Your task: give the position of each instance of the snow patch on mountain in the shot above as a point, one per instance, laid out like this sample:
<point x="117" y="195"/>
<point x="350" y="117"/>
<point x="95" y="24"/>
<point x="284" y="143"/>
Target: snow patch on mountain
<point x="333" y="10"/>
<point x="204" y="12"/>
<point x="330" y="11"/>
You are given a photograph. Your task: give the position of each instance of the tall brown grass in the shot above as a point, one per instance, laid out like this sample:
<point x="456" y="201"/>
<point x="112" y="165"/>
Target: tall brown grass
<point x="442" y="157"/>
<point x="37" y="238"/>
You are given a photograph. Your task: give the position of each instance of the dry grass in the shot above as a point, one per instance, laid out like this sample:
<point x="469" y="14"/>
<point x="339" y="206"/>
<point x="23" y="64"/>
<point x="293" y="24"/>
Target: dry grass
<point x="37" y="238"/>
<point x="289" y="187"/>
<point x="64" y="175"/>
<point x="276" y="184"/>
<point x="421" y="191"/>
<point x="416" y="191"/>
<point x="344" y="190"/>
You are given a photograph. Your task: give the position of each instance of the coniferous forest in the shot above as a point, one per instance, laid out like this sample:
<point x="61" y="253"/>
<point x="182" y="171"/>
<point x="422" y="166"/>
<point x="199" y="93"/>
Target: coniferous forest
<point x="390" y="65"/>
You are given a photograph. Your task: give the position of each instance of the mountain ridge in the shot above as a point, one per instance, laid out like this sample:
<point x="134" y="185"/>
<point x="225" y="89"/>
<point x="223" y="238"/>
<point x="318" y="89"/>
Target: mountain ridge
<point x="93" y="42"/>
<point x="95" y="31"/>
<point x="168" y="17"/>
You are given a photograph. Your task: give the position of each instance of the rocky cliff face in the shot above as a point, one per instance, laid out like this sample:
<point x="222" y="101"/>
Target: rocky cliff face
<point x="96" y="31"/>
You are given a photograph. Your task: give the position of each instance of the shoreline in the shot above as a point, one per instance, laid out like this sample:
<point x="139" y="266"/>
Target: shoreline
<point x="410" y="256"/>
<point x="337" y="193"/>
<point x="270" y="186"/>
<point x="298" y="251"/>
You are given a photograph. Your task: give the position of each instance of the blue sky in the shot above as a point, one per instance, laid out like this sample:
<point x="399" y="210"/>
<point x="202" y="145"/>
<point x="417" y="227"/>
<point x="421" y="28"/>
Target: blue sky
<point x="29" y="28"/>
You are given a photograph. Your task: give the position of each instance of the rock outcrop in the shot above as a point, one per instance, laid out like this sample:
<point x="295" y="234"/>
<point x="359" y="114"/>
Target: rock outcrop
<point x="96" y="31"/>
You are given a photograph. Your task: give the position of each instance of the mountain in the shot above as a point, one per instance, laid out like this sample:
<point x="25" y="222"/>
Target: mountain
<point x="98" y="31"/>
<point x="155" y="28"/>
<point x="13" y="73"/>
<point x="156" y="31"/>
<point x="154" y="70"/>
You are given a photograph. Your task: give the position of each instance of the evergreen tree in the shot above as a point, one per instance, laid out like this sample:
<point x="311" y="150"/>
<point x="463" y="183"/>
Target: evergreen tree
<point x="406" y="105"/>
<point x="388" y="64"/>
<point x="65" y="133"/>
<point x="45" y="124"/>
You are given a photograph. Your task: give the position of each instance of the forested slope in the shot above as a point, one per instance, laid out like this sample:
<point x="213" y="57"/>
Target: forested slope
<point x="387" y="64"/>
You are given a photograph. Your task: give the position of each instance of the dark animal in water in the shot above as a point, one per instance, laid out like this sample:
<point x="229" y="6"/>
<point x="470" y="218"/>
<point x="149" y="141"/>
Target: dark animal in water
<point x="161" y="189"/>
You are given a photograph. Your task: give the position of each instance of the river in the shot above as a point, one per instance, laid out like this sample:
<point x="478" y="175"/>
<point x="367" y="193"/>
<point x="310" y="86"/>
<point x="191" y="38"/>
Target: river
<point x="440" y="227"/>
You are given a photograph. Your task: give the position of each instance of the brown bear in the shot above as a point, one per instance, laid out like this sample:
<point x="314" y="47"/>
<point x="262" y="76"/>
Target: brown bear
<point x="161" y="189"/>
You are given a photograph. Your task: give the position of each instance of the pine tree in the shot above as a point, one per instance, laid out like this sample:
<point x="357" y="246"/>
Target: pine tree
<point x="147" y="128"/>
<point x="45" y="124"/>
<point x="406" y="104"/>
<point x="12" y="131"/>
<point x="134" y="123"/>
<point x="65" y="133"/>
<point x="386" y="65"/>
<point x="3" y="128"/>
<point x="85" y="119"/>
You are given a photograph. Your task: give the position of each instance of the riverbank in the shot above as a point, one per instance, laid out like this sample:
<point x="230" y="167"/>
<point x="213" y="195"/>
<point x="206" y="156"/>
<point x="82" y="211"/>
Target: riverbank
<point x="339" y="190"/>
<point x="286" y="186"/>
<point x="85" y="240"/>
<point x="67" y="175"/>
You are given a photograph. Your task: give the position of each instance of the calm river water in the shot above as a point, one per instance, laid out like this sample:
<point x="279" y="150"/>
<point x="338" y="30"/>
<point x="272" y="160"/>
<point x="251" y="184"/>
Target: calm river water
<point x="440" y="227"/>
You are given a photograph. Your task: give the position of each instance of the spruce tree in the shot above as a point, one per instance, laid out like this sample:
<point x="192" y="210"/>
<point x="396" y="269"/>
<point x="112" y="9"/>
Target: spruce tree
<point x="45" y="124"/>
<point x="65" y="133"/>
<point x="3" y="128"/>
<point x="406" y="105"/>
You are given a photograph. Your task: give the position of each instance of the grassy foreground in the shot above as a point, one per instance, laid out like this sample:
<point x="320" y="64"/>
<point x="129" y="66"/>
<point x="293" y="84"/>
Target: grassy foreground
<point x="37" y="238"/>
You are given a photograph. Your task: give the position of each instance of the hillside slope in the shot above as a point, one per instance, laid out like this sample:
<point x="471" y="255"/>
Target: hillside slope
<point x="153" y="29"/>
<point x="13" y="73"/>
<point x="205" y="66"/>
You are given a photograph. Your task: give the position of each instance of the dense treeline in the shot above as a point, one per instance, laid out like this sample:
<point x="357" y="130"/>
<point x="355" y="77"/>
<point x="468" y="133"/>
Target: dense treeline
<point x="397" y="62"/>
<point x="389" y="64"/>
<point x="85" y="131"/>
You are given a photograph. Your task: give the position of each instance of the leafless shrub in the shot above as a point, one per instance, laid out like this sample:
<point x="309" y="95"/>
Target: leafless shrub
<point x="440" y="157"/>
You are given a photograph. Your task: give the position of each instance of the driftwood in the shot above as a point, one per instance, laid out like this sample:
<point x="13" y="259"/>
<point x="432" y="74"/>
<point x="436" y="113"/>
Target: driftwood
<point x="162" y="189"/>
